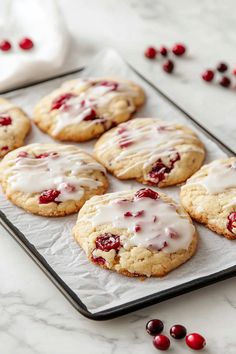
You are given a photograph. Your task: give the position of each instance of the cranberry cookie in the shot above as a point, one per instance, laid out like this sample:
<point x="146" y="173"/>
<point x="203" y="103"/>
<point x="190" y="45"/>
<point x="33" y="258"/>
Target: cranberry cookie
<point x="209" y="196"/>
<point x="51" y="179"/>
<point x="83" y="109"/>
<point x="136" y="234"/>
<point x="14" y="126"/>
<point x="151" y="151"/>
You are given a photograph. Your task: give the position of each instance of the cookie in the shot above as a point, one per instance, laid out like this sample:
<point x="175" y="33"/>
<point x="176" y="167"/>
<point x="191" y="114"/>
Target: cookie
<point x="209" y="196"/>
<point x="51" y="179"/>
<point x="151" y="151"/>
<point x="14" y="126"/>
<point x="83" y="109"/>
<point x="136" y="234"/>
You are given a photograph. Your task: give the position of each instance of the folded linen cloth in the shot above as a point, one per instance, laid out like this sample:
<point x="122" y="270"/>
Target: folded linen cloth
<point x="41" y="21"/>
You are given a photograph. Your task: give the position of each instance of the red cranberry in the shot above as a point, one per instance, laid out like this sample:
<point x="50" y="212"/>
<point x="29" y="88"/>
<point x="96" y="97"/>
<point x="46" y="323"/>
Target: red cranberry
<point x="179" y="49"/>
<point x="173" y="234"/>
<point x="160" y="170"/>
<point x="128" y="214"/>
<point x="234" y="72"/>
<point x="139" y="213"/>
<point x="42" y="156"/>
<point x="168" y="66"/>
<point x="146" y="193"/>
<point x="161" y="342"/>
<point x="121" y="130"/>
<point x="26" y="43"/>
<point x="91" y="116"/>
<point x="46" y="154"/>
<point x="222" y="67"/>
<point x="48" y="196"/>
<point x="23" y="154"/>
<point x="178" y="331"/>
<point x="111" y="84"/>
<point x="231" y="224"/>
<point x="108" y="242"/>
<point x="208" y="75"/>
<point x="150" y="53"/>
<point x="165" y="244"/>
<point x="5" y="45"/>
<point x="5" y="121"/>
<point x="61" y="100"/>
<point x="5" y="148"/>
<point x="225" y="81"/>
<point x="154" y="327"/>
<point x="124" y="143"/>
<point x="195" y="341"/>
<point x="98" y="260"/>
<point x="137" y="228"/>
<point x="163" y="51"/>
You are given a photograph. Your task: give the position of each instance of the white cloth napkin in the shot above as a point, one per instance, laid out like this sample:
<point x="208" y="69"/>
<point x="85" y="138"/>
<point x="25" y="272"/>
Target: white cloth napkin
<point x="41" y="21"/>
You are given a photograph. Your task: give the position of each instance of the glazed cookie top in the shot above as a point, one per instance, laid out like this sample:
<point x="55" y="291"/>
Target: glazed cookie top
<point x="217" y="179"/>
<point x="14" y="125"/>
<point x="55" y="172"/>
<point x="88" y="101"/>
<point x="145" y="219"/>
<point x="150" y="147"/>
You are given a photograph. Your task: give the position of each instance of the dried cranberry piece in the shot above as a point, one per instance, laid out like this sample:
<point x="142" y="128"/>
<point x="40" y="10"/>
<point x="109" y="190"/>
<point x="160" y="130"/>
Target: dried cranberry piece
<point x="4" y="121"/>
<point x="23" y="154"/>
<point x="137" y="228"/>
<point x="124" y="143"/>
<point x="98" y="260"/>
<point x="5" y="148"/>
<point x="139" y="213"/>
<point x="146" y="193"/>
<point x="128" y="214"/>
<point x="92" y="115"/>
<point x="160" y="170"/>
<point x="45" y="154"/>
<point x="111" y="84"/>
<point x="231" y="224"/>
<point x="48" y="196"/>
<point x="61" y="100"/>
<point x="121" y="130"/>
<point x="107" y="242"/>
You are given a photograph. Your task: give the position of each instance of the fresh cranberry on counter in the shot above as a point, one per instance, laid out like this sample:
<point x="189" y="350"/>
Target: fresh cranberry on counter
<point x="225" y="81"/>
<point x="208" y="75"/>
<point x="179" y="49"/>
<point x="195" y="341"/>
<point x="26" y="43"/>
<point x="150" y="53"/>
<point x="178" y="331"/>
<point x="168" y="66"/>
<point x="5" y="45"/>
<point x="161" y="342"/>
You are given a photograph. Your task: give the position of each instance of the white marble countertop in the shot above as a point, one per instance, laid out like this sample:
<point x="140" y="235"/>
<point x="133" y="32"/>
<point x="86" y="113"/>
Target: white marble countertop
<point x="35" y="318"/>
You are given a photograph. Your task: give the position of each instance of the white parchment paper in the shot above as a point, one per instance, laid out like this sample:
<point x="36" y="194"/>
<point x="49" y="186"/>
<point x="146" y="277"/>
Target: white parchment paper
<point x="100" y="289"/>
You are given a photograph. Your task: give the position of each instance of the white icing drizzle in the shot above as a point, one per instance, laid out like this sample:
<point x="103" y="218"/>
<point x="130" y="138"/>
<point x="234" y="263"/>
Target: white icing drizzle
<point x="92" y="97"/>
<point x="160" y="227"/>
<point x="219" y="178"/>
<point x="4" y="107"/>
<point x="59" y="172"/>
<point x="148" y="142"/>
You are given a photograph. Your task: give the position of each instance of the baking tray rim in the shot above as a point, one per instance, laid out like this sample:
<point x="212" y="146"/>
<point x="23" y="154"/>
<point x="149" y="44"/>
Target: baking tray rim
<point x="140" y="303"/>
